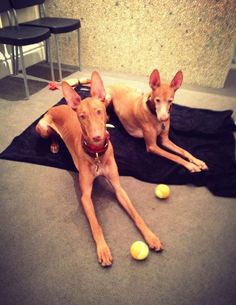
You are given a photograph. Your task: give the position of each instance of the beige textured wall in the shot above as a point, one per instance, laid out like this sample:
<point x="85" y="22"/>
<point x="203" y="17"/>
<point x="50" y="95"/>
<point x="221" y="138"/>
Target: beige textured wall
<point x="133" y="37"/>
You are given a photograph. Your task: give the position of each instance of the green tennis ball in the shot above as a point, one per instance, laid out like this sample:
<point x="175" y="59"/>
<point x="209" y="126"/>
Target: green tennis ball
<point x="162" y="191"/>
<point x="139" y="250"/>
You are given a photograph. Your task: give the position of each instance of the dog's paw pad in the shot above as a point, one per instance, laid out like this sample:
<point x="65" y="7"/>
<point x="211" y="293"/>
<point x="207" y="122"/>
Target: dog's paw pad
<point x="54" y="148"/>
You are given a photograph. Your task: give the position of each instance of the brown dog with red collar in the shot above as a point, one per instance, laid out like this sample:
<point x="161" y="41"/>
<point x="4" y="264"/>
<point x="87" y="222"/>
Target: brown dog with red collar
<point x="148" y="116"/>
<point x="82" y="126"/>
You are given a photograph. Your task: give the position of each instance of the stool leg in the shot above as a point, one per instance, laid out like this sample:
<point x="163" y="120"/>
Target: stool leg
<point x="13" y="59"/>
<point x="24" y="73"/>
<point x="16" y="67"/>
<point x="58" y="58"/>
<point x="79" y="55"/>
<point x="50" y="58"/>
<point x="46" y="50"/>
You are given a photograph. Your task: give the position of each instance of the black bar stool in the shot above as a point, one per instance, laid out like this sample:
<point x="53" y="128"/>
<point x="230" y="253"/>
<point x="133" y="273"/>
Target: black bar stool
<point x="18" y="36"/>
<point x="56" y="25"/>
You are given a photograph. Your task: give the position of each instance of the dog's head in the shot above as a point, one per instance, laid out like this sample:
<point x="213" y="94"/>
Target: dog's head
<point x="162" y="95"/>
<point x="91" y="111"/>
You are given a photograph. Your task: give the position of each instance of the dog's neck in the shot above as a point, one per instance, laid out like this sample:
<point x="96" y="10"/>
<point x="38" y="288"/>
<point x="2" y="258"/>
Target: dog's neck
<point x="151" y="105"/>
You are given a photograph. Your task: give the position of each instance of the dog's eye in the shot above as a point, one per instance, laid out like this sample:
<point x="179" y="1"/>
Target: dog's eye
<point x="99" y="112"/>
<point x="170" y="101"/>
<point x="157" y="100"/>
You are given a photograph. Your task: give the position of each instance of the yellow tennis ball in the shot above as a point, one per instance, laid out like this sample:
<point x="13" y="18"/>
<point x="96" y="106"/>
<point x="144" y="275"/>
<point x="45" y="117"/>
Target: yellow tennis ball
<point x="139" y="250"/>
<point x="162" y="191"/>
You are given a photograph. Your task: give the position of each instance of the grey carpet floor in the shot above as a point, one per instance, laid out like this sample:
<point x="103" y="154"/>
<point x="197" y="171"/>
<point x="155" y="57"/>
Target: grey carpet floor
<point x="42" y="71"/>
<point x="47" y="255"/>
<point x="15" y="84"/>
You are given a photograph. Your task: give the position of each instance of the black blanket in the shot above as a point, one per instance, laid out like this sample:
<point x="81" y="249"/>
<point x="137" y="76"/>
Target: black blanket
<point x="208" y="135"/>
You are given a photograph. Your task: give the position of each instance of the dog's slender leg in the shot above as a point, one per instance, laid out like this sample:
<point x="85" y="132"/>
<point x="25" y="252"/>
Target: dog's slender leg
<point x="45" y="131"/>
<point x="86" y="182"/>
<point x="152" y="240"/>
<point x="167" y="143"/>
<point x="150" y="140"/>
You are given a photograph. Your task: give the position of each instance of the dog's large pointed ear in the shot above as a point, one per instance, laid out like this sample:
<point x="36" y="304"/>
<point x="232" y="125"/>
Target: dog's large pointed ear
<point x="154" y="79"/>
<point x="72" y="98"/>
<point x="97" y="88"/>
<point x="177" y="80"/>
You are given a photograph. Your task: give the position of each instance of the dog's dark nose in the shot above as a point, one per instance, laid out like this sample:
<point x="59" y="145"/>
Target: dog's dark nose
<point x="97" y="139"/>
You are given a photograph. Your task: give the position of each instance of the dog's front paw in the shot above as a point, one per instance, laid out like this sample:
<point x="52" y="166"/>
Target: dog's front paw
<point x="104" y="254"/>
<point x="192" y="167"/>
<point x="54" y="148"/>
<point x="154" y="242"/>
<point x="201" y="164"/>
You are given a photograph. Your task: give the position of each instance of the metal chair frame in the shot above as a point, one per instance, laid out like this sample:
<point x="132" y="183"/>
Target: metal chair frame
<point x="42" y="14"/>
<point x="15" y="56"/>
